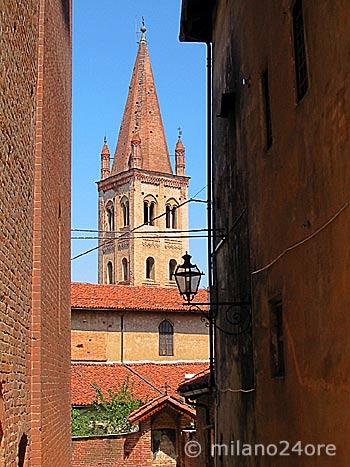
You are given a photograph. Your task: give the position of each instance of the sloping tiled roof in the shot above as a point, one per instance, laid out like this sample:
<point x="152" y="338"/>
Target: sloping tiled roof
<point x="157" y="404"/>
<point x="150" y="380"/>
<point x="121" y="297"/>
<point x="199" y="381"/>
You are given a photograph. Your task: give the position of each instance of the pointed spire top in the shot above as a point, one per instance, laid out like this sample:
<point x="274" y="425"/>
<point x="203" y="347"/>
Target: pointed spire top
<point x="179" y="144"/>
<point x="142" y="114"/>
<point x="143" y="31"/>
<point x="105" y="149"/>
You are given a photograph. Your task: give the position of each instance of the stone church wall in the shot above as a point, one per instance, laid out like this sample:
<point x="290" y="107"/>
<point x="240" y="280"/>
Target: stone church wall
<point x="96" y="336"/>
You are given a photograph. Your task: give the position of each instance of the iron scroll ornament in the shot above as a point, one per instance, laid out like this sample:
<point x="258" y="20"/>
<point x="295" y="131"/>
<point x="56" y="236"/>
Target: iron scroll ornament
<point x="237" y="317"/>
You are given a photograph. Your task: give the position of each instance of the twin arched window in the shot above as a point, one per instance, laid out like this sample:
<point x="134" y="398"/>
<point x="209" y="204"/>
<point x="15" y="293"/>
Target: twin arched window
<point x="170" y="217"/>
<point x="125" y="211"/>
<point x="110" y="217"/>
<point x="166" y="338"/>
<point x="149" y="212"/>
<point x="150" y="268"/>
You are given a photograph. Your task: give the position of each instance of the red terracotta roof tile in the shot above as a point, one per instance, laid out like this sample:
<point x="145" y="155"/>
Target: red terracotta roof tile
<point x="157" y="404"/>
<point x="121" y="297"/>
<point x="149" y="379"/>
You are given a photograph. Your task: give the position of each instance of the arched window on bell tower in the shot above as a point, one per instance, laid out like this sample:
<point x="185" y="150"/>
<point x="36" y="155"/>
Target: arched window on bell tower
<point x="125" y="269"/>
<point x="125" y="212"/>
<point x="110" y="216"/>
<point x="150" y="268"/>
<point x="149" y="210"/>
<point x="171" y="221"/>
<point x="172" y="267"/>
<point x="110" y="273"/>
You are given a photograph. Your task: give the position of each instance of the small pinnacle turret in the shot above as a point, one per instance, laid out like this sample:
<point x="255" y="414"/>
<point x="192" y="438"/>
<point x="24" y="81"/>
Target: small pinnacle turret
<point x="179" y="156"/>
<point x="105" y="160"/>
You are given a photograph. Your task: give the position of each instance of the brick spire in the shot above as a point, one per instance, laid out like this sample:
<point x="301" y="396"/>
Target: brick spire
<point x="180" y="156"/>
<point x="105" y="160"/>
<point x="142" y="115"/>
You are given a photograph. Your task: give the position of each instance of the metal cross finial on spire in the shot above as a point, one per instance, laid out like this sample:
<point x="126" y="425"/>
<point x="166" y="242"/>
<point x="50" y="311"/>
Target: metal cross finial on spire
<point x="180" y="132"/>
<point x="143" y="30"/>
<point x="105" y="139"/>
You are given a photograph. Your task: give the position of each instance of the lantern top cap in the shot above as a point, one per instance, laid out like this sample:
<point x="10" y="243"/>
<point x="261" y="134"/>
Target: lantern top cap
<point x="187" y="260"/>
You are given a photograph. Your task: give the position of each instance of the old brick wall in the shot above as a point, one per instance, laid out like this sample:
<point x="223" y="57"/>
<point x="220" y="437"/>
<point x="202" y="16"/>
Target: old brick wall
<point x="18" y="27"/>
<point x="290" y="191"/>
<point x="129" y="450"/>
<point x="51" y="272"/>
<point x="35" y="89"/>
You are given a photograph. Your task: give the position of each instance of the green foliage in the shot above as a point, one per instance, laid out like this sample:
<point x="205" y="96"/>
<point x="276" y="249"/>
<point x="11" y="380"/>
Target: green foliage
<point x="81" y="424"/>
<point x="108" y="415"/>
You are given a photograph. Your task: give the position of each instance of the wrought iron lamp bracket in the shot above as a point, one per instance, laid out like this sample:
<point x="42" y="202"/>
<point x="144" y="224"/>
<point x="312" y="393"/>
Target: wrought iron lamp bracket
<point x="237" y="320"/>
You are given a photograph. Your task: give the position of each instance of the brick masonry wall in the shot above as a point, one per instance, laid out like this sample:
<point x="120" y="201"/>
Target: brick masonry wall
<point x="18" y="50"/>
<point x="51" y="272"/>
<point x="35" y="89"/>
<point x="132" y="450"/>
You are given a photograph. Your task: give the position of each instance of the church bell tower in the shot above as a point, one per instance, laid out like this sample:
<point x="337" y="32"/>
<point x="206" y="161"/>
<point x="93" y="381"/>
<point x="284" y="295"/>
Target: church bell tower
<point x="142" y="216"/>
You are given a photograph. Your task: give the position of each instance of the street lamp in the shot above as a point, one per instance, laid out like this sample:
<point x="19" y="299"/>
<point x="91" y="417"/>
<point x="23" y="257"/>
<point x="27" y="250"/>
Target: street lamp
<point x="236" y="314"/>
<point x="187" y="276"/>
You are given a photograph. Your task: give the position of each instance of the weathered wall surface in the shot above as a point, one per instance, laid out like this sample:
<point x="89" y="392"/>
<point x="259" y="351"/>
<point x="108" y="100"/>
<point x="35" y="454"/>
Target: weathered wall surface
<point x="35" y="89"/>
<point x="114" y="451"/>
<point x="134" y="449"/>
<point x="290" y="191"/>
<point x="51" y="272"/>
<point x="18" y="27"/>
<point x="97" y="336"/>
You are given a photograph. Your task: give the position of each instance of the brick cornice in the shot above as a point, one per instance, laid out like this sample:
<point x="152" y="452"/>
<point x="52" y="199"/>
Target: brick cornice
<point x="146" y="176"/>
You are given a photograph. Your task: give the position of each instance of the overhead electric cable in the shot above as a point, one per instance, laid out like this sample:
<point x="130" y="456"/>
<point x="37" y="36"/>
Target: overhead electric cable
<point x="135" y="228"/>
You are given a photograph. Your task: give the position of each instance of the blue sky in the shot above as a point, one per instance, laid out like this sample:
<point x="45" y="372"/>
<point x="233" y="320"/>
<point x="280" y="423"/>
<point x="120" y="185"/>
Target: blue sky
<point x="105" y="35"/>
